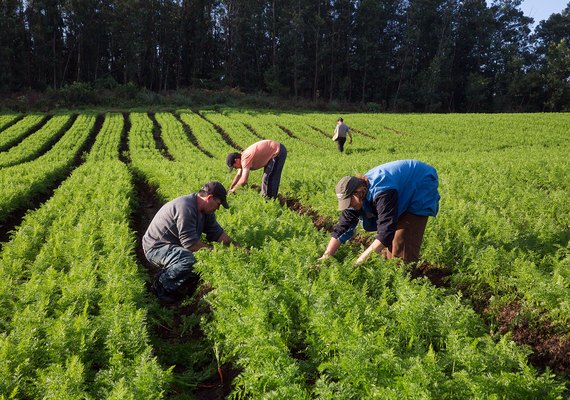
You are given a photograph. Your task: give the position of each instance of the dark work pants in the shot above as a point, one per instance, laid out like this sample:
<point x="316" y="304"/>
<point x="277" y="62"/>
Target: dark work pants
<point x="340" y="143"/>
<point x="272" y="174"/>
<point x="407" y="239"/>
<point x="176" y="265"/>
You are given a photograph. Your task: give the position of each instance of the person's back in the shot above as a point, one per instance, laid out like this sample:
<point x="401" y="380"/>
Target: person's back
<point x="412" y="179"/>
<point x="259" y="154"/>
<point x="178" y="222"/>
<point x="342" y="130"/>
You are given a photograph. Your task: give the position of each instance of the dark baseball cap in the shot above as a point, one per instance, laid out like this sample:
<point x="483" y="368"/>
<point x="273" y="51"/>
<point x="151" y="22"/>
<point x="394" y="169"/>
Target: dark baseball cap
<point x="217" y="190"/>
<point x="230" y="159"/>
<point x="344" y="189"/>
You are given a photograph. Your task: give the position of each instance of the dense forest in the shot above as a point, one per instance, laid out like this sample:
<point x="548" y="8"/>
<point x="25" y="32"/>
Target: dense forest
<point x="395" y="55"/>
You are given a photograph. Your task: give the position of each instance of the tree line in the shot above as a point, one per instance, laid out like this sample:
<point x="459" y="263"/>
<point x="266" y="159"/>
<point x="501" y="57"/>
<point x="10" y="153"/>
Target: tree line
<point x="397" y="55"/>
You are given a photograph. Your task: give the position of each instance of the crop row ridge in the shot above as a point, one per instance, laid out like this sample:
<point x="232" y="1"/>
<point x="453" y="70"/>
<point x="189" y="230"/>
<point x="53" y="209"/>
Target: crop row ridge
<point x="191" y="137"/>
<point x="159" y="143"/>
<point x="227" y="138"/>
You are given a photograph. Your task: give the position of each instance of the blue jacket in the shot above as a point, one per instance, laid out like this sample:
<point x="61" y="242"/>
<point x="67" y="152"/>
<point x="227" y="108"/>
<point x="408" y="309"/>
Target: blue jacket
<point x="395" y="188"/>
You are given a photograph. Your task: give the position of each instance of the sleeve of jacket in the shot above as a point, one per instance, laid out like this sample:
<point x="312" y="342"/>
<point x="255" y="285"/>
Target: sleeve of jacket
<point x="347" y="223"/>
<point x="386" y="204"/>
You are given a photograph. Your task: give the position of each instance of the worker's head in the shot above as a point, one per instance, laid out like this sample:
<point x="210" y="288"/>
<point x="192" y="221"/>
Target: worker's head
<point x="215" y="195"/>
<point x="350" y="192"/>
<point x="340" y="120"/>
<point x="233" y="160"/>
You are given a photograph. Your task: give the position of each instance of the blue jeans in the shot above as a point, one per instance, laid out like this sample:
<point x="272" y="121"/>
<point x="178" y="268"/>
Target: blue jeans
<point x="176" y="266"/>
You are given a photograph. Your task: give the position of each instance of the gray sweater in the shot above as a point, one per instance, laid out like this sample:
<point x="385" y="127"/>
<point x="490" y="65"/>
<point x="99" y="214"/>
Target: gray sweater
<point x="179" y="222"/>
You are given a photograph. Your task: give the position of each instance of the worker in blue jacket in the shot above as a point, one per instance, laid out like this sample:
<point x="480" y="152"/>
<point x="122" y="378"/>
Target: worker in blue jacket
<point x="393" y="199"/>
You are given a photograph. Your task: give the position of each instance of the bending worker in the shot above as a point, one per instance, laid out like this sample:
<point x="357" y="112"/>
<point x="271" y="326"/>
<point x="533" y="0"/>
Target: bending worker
<point x="393" y="199"/>
<point x="267" y="154"/>
<point x="174" y="235"/>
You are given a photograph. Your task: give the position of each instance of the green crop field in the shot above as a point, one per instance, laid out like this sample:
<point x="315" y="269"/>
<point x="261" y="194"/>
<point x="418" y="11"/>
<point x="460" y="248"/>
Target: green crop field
<point x="485" y="315"/>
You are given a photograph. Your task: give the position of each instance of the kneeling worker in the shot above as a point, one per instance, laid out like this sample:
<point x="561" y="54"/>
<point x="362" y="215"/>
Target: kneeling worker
<point x="394" y="199"/>
<point x="174" y="235"/>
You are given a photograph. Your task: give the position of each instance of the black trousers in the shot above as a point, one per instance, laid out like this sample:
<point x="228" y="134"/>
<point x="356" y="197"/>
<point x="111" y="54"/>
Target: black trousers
<point x="272" y="174"/>
<point x="340" y="143"/>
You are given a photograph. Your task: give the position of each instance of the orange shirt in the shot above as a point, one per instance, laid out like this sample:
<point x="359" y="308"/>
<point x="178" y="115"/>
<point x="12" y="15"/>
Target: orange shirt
<point x="259" y="154"/>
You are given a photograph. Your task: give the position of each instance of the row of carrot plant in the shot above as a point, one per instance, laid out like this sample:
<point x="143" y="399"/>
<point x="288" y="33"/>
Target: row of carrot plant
<point x="73" y="303"/>
<point x="295" y="331"/>
<point x="73" y="299"/>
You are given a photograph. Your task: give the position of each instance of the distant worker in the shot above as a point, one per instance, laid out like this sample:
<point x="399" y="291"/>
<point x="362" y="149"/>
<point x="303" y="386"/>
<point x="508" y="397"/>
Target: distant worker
<point x="267" y="154"/>
<point x="340" y="133"/>
<point x="393" y="199"/>
<point x="174" y="235"/>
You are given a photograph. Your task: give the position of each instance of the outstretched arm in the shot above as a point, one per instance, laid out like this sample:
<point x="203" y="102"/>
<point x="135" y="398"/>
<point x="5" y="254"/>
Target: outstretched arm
<point x="332" y="247"/>
<point x="198" y="245"/>
<point x="375" y="247"/>
<point x="226" y="240"/>
<point x="236" y="179"/>
<point x="240" y="180"/>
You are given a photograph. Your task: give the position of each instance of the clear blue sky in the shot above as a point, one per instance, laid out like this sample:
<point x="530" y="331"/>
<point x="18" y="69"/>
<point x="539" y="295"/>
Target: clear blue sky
<point x="541" y="9"/>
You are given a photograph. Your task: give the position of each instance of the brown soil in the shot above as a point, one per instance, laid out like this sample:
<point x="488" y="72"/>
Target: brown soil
<point x="159" y="143"/>
<point x="253" y="131"/>
<point x="321" y="131"/>
<point x="550" y="348"/>
<point x="288" y="132"/>
<point x="438" y="276"/>
<point x="192" y="138"/>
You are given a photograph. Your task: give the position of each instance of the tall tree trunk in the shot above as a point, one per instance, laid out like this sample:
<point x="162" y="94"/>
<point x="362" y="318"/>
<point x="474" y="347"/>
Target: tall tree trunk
<point x="54" y="59"/>
<point x="274" y="33"/>
<point x="78" y="77"/>
<point x="316" y="77"/>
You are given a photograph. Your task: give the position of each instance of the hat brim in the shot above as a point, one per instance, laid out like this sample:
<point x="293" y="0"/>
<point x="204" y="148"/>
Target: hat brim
<point x="225" y="204"/>
<point x="343" y="204"/>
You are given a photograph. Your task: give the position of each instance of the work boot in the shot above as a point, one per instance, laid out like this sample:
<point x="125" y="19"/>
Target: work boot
<point x="162" y="295"/>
